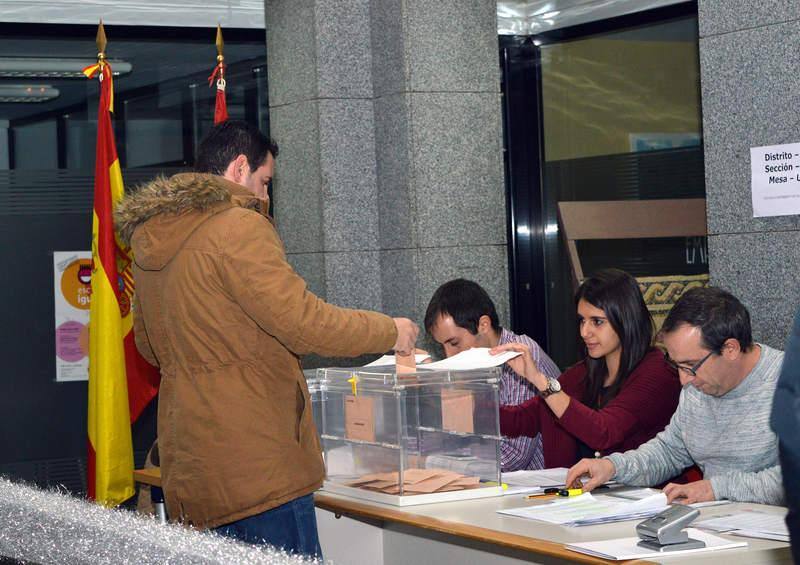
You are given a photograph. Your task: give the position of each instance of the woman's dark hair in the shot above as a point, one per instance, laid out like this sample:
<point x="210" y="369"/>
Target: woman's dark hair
<point x="616" y="293"/>
<point x="228" y="140"/>
<point x="719" y="315"/>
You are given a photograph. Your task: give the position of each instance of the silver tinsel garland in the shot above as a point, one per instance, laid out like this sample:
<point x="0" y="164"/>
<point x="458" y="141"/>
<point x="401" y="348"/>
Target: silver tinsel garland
<point x="52" y="527"/>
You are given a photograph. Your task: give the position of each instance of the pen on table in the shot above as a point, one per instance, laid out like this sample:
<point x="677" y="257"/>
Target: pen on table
<point x="558" y="491"/>
<point x="543" y="493"/>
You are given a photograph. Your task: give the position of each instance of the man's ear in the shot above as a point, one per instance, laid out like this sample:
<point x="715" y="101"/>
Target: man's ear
<point x="484" y="324"/>
<point x="237" y="169"/>
<point x="731" y="349"/>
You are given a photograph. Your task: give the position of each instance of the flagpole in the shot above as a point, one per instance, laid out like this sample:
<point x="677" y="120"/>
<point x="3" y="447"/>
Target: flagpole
<point x="110" y="446"/>
<point x="220" y="104"/>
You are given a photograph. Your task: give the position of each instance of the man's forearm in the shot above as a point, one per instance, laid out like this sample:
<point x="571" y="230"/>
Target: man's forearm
<point x="631" y="470"/>
<point x="661" y="458"/>
<point x="764" y="487"/>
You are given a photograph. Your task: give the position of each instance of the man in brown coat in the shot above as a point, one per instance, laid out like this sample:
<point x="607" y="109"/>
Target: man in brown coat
<point x="225" y="317"/>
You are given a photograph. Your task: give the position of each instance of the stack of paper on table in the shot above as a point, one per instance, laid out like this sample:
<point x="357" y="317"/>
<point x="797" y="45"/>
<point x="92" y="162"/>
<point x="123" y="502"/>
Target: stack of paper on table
<point x="535" y="481"/>
<point x="640" y="493"/>
<point x="751" y="524"/>
<point x="416" y="481"/>
<point x="627" y="548"/>
<point x="524" y="482"/>
<point x="586" y="510"/>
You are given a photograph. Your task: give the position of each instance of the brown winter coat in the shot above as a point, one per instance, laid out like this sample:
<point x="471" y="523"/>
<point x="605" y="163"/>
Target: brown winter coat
<point x="225" y="317"/>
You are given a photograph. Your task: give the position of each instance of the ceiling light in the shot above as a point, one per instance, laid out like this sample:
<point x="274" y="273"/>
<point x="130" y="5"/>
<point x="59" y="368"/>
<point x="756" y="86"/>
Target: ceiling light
<point x="41" y="67"/>
<point x="27" y="93"/>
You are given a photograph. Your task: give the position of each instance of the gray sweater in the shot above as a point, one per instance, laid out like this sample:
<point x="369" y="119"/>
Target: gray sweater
<point x="728" y="437"/>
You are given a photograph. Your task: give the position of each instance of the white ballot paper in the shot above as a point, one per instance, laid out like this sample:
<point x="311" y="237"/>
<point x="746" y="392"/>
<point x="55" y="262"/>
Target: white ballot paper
<point x="475" y="358"/>
<point x="535" y="481"/>
<point x="587" y="510"/>
<point x="751" y="524"/>
<point x="627" y="548"/>
<point x="388" y="360"/>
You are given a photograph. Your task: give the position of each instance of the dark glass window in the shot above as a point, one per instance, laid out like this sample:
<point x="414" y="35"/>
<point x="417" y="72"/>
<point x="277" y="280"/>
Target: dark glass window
<point x="163" y="107"/>
<point x="621" y="120"/>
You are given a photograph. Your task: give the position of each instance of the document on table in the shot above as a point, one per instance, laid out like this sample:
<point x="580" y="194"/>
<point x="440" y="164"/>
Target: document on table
<point x="475" y="358"/>
<point x="535" y="481"/>
<point x="635" y="494"/>
<point x="640" y="493"/>
<point x="628" y="548"/>
<point x="751" y="524"/>
<point x="586" y="510"/>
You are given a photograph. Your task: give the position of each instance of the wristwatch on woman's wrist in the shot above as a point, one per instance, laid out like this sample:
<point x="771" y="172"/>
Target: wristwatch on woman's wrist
<point x="553" y="386"/>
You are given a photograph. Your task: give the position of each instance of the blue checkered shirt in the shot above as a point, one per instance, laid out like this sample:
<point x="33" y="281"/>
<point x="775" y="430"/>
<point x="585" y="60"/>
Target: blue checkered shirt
<point x="522" y="452"/>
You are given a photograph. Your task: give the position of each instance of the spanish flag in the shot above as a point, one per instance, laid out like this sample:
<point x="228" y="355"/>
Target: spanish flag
<point x="121" y="382"/>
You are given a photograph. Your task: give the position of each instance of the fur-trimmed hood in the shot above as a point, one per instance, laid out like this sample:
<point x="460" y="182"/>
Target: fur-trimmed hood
<point x="159" y="217"/>
<point x="225" y="317"/>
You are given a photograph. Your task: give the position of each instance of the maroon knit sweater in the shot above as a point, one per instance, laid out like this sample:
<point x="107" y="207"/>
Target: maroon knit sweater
<point x="641" y="409"/>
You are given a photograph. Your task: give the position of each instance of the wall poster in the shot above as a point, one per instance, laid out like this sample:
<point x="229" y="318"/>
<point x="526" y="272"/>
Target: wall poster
<point x="72" y="272"/>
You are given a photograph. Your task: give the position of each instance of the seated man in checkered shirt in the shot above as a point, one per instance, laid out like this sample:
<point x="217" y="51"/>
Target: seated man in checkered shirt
<point x="461" y="316"/>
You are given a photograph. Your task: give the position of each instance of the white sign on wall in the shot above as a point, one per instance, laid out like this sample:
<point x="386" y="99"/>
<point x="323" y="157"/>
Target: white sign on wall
<point x="775" y="171"/>
<point x="72" y="272"/>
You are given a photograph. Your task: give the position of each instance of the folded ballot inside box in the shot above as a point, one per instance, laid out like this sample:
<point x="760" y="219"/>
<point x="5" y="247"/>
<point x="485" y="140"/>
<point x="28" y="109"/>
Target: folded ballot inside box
<point x="409" y="438"/>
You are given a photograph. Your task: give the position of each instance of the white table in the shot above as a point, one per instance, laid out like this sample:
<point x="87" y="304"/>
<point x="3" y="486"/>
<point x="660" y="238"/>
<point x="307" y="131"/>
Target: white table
<point x="471" y="531"/>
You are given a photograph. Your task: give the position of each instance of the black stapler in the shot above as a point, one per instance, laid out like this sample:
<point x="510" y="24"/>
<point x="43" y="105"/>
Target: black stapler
<point x="664" y="531"/>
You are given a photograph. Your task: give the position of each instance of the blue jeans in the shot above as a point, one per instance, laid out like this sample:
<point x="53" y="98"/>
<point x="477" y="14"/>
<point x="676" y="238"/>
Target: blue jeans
<point x="291" y="526"/>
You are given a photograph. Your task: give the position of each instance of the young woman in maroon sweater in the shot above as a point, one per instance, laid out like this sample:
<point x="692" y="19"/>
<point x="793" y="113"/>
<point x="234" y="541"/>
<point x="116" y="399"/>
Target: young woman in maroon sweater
<point x="620" y="396"/>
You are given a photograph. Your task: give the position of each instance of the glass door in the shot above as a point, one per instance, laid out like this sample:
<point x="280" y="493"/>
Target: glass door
<point x="615" y="110"/>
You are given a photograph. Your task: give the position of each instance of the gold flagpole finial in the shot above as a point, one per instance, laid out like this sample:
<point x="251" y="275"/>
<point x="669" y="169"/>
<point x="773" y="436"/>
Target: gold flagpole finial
<point x="220" y="43"/>
<point x="101" y="42"/>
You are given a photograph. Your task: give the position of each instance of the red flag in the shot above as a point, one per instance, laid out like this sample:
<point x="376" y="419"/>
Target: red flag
<point x="121" y="382"/>
<point x="220" y="106"/>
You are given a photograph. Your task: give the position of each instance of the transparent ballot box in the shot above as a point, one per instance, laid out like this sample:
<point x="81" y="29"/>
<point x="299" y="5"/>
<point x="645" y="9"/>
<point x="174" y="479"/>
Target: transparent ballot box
<point x="409" y="438"/>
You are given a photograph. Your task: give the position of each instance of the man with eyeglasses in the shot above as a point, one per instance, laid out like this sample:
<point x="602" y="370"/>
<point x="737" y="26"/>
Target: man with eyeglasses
<point x="722" y="420"/>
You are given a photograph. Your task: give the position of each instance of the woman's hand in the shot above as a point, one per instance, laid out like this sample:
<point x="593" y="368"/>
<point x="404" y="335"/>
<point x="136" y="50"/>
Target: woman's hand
<point x="523" y="365"/>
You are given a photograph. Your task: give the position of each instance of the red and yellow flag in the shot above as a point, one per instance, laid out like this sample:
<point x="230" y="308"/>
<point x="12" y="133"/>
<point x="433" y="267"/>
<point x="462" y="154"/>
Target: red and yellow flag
<point x="121" y="382"/>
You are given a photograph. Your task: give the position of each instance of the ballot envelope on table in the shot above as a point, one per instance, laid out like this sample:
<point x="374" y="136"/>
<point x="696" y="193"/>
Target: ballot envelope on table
<point x="408" y="438"/>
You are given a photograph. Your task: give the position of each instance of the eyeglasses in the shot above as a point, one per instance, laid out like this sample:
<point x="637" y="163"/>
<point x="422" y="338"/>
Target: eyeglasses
<point x="686" y="369"/>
